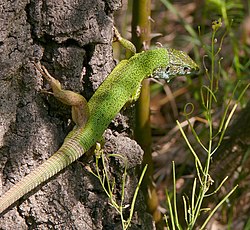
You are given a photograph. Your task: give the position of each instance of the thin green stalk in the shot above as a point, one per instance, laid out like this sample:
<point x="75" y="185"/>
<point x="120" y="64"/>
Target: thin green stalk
<point x="186" y="114"/>
<point x="204" y="187"/>
<point x="171" y="214"/>
<point x="190" y="146"/>
<point x="135" y="194"/>
<point x="230" y="116"/>
<point x="193" y="196"/>
<point x="174" y="199"/>
<point x="205" y="182"/>
<point x="105" y="182"/>
<point x="217" y="206"/>
<point x="185" y="209"/>
<point x="141" y="37"/>
<point x="218" y="188"/>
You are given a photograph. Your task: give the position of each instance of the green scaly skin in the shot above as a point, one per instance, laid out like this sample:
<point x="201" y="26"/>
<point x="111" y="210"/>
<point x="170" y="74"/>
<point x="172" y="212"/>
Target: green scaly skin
<point x="120" y="86"/>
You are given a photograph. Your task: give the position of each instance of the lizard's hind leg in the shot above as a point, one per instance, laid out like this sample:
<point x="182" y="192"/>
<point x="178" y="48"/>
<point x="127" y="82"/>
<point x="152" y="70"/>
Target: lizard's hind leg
<point x="80" y="110"/>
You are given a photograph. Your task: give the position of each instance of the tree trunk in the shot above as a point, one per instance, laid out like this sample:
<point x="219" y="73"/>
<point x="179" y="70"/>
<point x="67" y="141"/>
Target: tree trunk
<point x="232" y="160"/>
<point x="73" y="40"/>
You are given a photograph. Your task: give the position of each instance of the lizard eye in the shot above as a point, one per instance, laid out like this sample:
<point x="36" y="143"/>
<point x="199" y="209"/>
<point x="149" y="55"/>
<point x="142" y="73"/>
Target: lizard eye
<point x="186" y="69"/>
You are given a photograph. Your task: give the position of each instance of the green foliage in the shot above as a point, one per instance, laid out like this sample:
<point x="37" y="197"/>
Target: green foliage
<point x="214" y="95"/>
<point x="227" y="9"/>
<point x="209" y="100"/>
<point x="232" y="13"/>
<point x="109" y="185"/>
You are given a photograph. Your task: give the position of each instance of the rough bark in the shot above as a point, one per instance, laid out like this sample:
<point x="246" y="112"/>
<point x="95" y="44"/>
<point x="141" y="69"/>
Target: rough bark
<point x="71" y="38"/>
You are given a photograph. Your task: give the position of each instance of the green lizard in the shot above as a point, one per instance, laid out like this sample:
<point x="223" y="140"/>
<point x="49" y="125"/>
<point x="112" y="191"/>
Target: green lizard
<point x="93" y="117"/>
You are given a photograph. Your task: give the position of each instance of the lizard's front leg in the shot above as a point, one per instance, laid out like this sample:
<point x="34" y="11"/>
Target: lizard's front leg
<point x="124" y="42"/>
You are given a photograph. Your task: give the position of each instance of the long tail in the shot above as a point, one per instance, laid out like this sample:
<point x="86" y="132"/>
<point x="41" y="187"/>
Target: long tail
<point x="68" y="153"/>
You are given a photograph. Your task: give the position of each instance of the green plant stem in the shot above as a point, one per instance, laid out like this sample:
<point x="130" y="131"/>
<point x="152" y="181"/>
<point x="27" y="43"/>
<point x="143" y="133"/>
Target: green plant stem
<point x="141" y="31"/>
<point x="205" y="183"/>
<point x="217" y="206"/>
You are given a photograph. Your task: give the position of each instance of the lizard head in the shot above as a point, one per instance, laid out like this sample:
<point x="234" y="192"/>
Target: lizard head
<point x="179" y="63"/>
